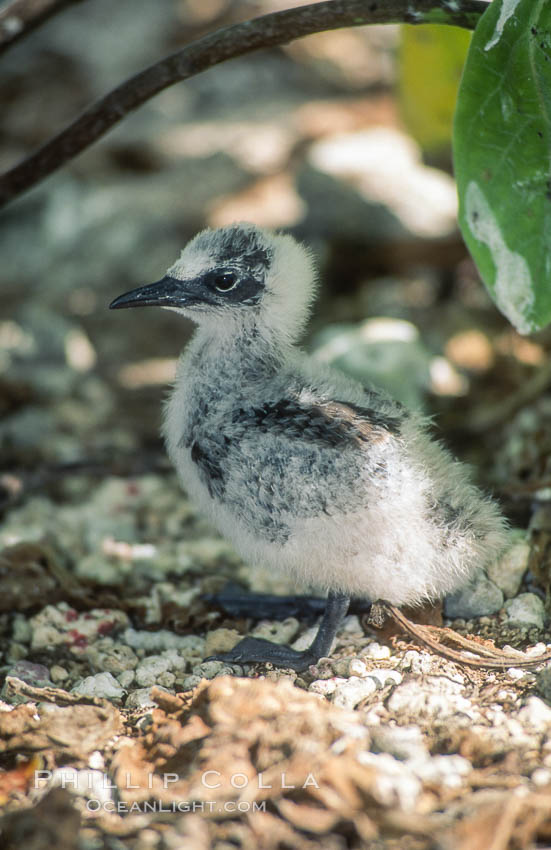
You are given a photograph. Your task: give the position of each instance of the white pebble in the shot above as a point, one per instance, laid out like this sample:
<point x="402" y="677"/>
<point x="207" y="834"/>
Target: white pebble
<point x="516" y="673"/>
<point x="537" y="649"/>
<point x="21" y="631"/>
<point x="353" y="691"/>
<point x="325" y="687"/>
<point x="536" y="714"/>
<point x="126" y="678"/>
<point x="508" y="570"/>
<point x="277" y="631"/>
<point x="191" y="682"/>
<point x="402" y="742"/>
<point x="417" y="662"/>
<point x="526" y="610"/>
<point x="102" y="685"/>
<point x="357" y="667"/>
<point x="96" y="761"/>
<point x="541" y="776"/>
<point x="140" y="698"/>
<point x="394" y="782"/>
<point x="166" y="679"/>
<point x="149" y="670"/>
<point x="435" y="697"/>
<point x="58" y="673"/>
<point x="449" y="771"/>
<point x="93" y="784"/>
<point x="208" y="669"/>
<point x="189" y="645"/>
<point x="351" y="624"/>
<point x="377" y="651"/>
<point x="384" y="677"/>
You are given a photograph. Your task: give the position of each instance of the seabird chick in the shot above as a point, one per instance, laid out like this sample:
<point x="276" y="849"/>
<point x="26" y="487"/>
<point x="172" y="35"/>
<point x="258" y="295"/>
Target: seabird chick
<point x="300" y="467"/>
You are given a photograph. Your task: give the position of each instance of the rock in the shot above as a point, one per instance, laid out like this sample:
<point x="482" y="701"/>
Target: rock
<point x="543" y="679"/>
<point x="126" y="678"/>
<point x="210" y="669"/>
<point x="61" y="624"/>
<point x="507" y="572"/>
<point x="93" y="784"/>
<point x="277" y="631"/>
<point x="16" y="652"/>
<point x="177" y="661"/>
<point x="111" y="657"/>
<point x="58" y="674"/>
<point x="101" y="570"/>
<point x="326" y="687"/>
<point x="394" y="783"/>
<point x="402" y="742"/>
<point x="516" y="674"/>
<point x="353" y="690"/>
<point x="102" y="685"/>
<point x="536" y="715"/>
<point x="431" y="698"/>
<point x="449" y="771"/>
<point x="346" y="667"/>
<point x="541" y="777"/>
<point x="383" y="351"/>
<point x="538" y="649"/>
<point x="190" y="646"/>
<point x="376" y="651"/>
<point x="149" y="670"/>
<point x="383" y="677"/>
<point x="221" y="640"/>
<point x="21" y="631"/>
<point x="191" y="682"/>
<point x="306" y="638"/>
<point x="140" y="698"/>
<point x="526" y="611"/>
<point x="32" y="674"/>
<point x="351" y="625"/>
<point x="166" y="679"/>
<point x="380" y="166"/>
<point x="418" y="662"/>
<point x="478" y="597"/>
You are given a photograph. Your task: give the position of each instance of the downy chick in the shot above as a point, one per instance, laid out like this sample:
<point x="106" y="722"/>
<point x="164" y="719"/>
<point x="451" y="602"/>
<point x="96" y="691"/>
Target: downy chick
<point x="300" y="467"/>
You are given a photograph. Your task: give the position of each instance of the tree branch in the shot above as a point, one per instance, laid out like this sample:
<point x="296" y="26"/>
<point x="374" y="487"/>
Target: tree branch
<point x="237" y="40"/>
<point x="20" y="17"/>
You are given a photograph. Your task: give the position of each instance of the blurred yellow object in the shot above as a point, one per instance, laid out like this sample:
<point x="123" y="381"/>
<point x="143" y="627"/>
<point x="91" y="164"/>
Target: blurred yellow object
<point x="19" y="779"/>
<point x="431" y="60"/>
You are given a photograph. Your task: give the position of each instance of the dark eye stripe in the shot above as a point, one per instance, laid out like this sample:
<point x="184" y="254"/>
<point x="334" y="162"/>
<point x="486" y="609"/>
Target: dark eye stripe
<point x="230" y="286"/>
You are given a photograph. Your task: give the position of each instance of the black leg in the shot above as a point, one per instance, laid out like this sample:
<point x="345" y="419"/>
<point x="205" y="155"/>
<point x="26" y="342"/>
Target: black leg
<point x="252" y="649"/>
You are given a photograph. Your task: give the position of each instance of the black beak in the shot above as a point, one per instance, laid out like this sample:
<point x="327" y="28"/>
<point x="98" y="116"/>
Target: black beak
<point x="168" y="292"/>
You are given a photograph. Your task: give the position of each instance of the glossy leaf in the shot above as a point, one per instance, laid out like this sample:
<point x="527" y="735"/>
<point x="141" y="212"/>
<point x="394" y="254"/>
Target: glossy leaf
<point x="502" y="146"/>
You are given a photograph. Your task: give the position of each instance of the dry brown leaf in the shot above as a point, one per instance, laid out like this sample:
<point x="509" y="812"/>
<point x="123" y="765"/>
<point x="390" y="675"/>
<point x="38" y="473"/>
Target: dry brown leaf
<point x="74" y="731"/>
<point x="310" y="818"/>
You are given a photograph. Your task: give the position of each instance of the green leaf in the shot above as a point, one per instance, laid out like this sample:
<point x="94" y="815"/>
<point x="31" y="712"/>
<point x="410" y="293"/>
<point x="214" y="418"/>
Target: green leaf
<point x="502" y="147"/>
<point x="431" y="59"/>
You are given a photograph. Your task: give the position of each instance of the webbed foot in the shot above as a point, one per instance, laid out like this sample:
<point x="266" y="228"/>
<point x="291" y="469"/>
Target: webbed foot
<point x="251" y="650"/>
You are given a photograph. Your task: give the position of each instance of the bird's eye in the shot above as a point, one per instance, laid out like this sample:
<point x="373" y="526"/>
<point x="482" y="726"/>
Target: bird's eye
<point x="225" y="281"/>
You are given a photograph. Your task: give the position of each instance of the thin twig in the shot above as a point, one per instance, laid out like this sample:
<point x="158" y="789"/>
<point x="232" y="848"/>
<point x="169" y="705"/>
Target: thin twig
<point x="20" y="17"/>
<point x="17" y="687"/>
<point x="239" y="39"/>
<point x="443" y="632"/>
<point x="498" y="661"/>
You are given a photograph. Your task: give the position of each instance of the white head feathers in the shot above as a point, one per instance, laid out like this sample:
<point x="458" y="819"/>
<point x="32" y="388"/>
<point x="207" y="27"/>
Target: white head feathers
<point x="283" y="270"/>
